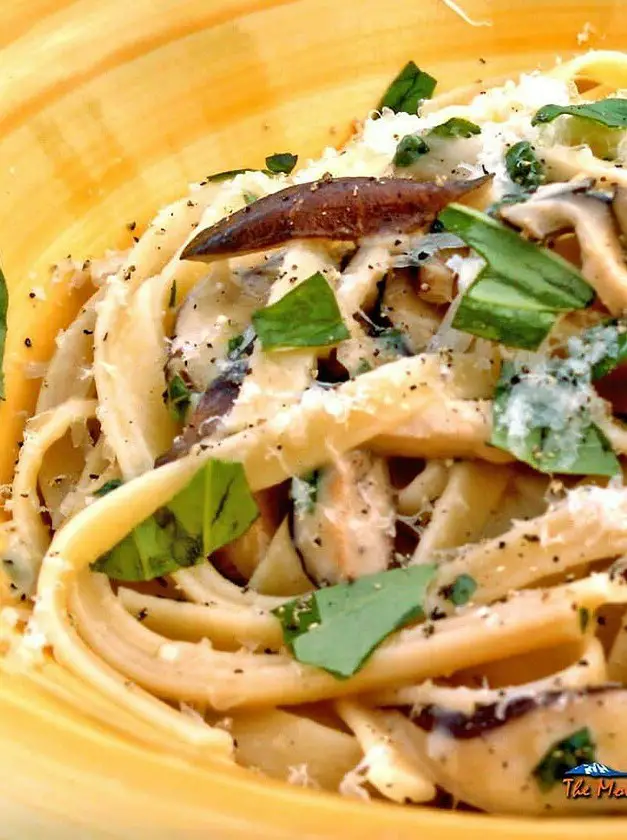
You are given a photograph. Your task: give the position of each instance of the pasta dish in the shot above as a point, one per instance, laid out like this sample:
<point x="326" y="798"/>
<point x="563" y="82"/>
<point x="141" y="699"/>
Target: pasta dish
<point x="326" y="477"/>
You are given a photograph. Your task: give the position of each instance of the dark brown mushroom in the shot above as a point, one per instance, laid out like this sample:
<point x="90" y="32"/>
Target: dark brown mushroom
<point x="214" y="404"/>
<point x="345" y="209"/>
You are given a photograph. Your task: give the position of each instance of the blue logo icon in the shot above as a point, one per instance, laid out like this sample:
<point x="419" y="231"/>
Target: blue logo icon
<point x="595" y="770"/>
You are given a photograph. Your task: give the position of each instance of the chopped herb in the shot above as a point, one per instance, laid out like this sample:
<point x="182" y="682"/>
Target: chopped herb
<point x="281" y="162"/>
<point x="249" y="198"/>
<point x="543" y="416"/>
<point x="229" y="173"/>
<point x="461" y="590"/>
<point x="456" y="127"/>
<point x="215" y="508"/>
<point x="523" y="167"/>
<point x="364" y="366"/>
<point x="584" y="618"/>
<point x="235" y="343"/>
<point x="408" y="89"/>
<point x="611" y="113"/>
<point x="578" y="748"/>
<point x="241" y="345"/>
<point x="391" y="341"/>
<point x="339" y="627"/>
<point x="603" y="346"/>
<point x="172" y="300"/>
<point x="4" y="305"/>
<point x="308" y="316"/>
<point x="179" y="396"/>
<point x="304" y="492"/>
<point x="108" y="487"/>
<point x="517" y="298"/>
<point x="410" y="148"/>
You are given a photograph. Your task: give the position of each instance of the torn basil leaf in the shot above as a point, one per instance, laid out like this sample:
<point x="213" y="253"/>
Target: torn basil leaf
<point x="281" y="162"/>
<point x="494" y="309"/>
<point x="308" y="316"/>
<point x="611" y="113"/>
<point x="456" y="127"/>
<point x="408" y="89"/>
<point x="4" y="306"/>
<point x="337" y="628"/>
<point x="179" y="396"/>
<point x="215" y="508"/>
<point x="523" y="166"/>
<point x="517" y="298"/>
<point x="409" y="149"/>
<point x="549" y="278"/>
<point x="229" y="173"/>
<point x="578" y="748"/>
<point x="543" y="416"/>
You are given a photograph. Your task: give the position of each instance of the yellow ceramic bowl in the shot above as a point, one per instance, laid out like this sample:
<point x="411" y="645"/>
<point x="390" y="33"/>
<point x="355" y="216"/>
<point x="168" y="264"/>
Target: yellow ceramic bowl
<point x="108" y="108"/>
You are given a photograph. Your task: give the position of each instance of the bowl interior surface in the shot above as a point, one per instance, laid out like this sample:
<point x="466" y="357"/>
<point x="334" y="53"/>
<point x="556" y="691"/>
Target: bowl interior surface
<point x="108" y="109"/>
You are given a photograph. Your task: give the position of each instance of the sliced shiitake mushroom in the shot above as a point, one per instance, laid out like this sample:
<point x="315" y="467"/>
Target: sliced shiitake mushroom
<point x="344" y="519"/>
<point x="341" y="209"/>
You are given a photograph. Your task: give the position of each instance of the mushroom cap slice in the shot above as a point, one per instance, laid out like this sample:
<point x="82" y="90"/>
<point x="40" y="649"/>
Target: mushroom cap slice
<point x="341" y="209"/>
<point x="344" y="528"/>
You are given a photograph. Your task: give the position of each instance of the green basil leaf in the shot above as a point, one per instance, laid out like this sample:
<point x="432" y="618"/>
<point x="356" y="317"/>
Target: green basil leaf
<point x="611" y="113"/>
<point x="494" y="309"/>
<point x="578" y="748"/>
<point x="308" y="316"/>
<point x="338" y="628"/>
<point x="542" y="416"/>
<point x="4" y="306"/>
<point x="456" y="127"/>
<point x="281" y="162"/>
<point x="229" y="173"/>
<point x="523" y="167"/>
<point x="215" y="508"/>
<point x="461" y="590"/>
<point x="545" y="276"/>
<point x="217" y="504"/>
<point x="408" y="89"/>
<point x="409" y="149"/>
<point x="179" y="396"/>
